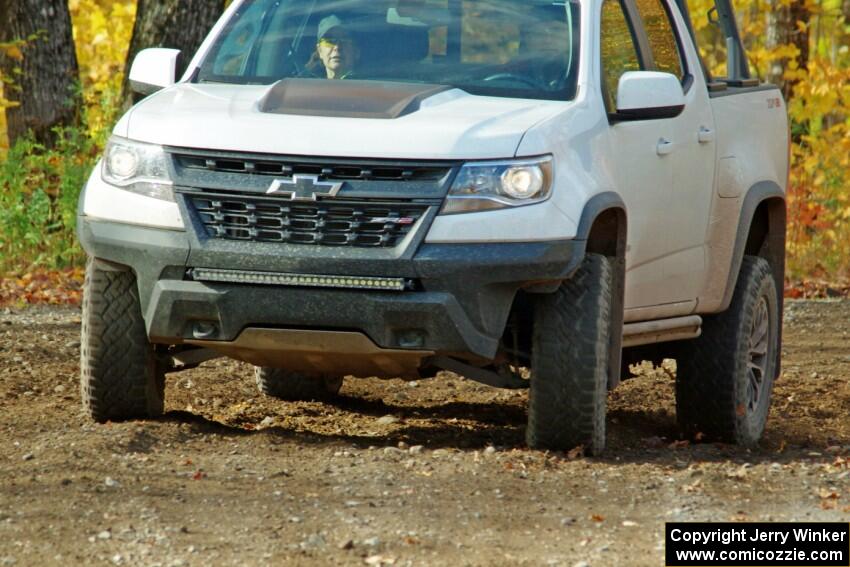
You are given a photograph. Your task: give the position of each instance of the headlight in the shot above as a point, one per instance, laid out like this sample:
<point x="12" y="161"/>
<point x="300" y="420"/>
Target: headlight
<point x="484" y="186"/>
<point x="137" y="167"/>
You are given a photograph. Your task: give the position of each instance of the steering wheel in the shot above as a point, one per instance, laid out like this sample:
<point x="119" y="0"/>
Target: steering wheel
<point x="516" y="78"/>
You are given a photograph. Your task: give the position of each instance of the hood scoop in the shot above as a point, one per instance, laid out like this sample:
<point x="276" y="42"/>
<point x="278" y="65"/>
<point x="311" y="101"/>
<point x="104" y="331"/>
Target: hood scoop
<point x="346" y="98"/>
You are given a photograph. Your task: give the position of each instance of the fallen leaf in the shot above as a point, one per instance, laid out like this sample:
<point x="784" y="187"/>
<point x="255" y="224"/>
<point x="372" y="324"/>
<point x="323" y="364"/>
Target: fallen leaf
<point x="44" y="286"/>
<point x="597" y="518"/>
<point x="738" y="473"/>
<point x="575" y="453"/>
<point x="379" y="560"/>
<point x="828" y="494"/>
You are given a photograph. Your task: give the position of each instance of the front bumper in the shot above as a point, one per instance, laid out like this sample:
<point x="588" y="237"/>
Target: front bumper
<point x="460" y="308"/>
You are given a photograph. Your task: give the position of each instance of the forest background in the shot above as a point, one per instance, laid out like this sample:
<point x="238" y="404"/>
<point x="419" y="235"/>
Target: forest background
<point x="802" y="45"/>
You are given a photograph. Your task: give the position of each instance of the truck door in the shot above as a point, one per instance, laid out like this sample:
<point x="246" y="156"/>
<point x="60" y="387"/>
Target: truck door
<point x="692" y="153"/>
<point x="641" y="169"/>
<point x="667" y="169"/>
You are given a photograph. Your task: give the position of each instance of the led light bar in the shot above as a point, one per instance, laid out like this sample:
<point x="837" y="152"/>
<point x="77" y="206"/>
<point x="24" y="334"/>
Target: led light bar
<point x="298" y="280"/>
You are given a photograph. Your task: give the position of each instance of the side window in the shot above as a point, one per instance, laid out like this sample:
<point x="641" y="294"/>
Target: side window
<point x="662" y="39"/>
<point x="619" y="53"/>
<point x="232" y="55"/>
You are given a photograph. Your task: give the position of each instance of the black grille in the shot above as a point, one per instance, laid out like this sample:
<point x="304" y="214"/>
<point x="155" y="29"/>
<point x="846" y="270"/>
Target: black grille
<point x="372" y="224"/>
<point x="325" y="169"/>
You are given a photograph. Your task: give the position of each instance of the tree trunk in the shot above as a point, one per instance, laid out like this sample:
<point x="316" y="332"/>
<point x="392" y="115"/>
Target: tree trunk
<point x="777" y="27"/>
<point x="176" y="24"/>
<point x="788" y="25"/>
<point x="42" y="65"/>
<point x="800" y="19"/>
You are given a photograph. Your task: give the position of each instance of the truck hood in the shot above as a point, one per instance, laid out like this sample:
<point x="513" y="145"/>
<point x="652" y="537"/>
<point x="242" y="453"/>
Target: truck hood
<point x="451" y="124"/>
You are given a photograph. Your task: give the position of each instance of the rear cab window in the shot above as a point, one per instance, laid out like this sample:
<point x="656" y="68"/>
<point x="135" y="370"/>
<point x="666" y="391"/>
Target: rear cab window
<point x="667" y="52"/>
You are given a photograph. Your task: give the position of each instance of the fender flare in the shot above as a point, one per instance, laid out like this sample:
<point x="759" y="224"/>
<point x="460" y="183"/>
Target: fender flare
<point x="755" y="196"/>
<point x="597" y="205"/>
<point x="593" y="209"/>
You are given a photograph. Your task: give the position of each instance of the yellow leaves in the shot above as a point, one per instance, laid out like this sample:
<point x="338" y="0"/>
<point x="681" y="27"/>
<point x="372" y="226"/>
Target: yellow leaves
<point x="102" y="31"/>
<point x="819" y="201"/>
<point x="12" y="50"/>
<point x="822" y="89"/>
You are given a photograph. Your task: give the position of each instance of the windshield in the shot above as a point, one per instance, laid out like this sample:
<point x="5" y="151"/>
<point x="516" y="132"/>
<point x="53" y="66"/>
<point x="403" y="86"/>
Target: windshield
<point x="509" y="48"/>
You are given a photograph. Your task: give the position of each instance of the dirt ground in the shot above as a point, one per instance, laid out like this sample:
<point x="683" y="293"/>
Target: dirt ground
<point x="425" y="473"/>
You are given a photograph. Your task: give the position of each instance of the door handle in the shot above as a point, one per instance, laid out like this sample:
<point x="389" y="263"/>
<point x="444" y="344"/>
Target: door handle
<point x="706" y="135"/>
<point x="665" y="147"/>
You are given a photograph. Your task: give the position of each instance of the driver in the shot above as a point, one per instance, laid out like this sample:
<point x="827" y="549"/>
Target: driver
<point x="336" y="50"/>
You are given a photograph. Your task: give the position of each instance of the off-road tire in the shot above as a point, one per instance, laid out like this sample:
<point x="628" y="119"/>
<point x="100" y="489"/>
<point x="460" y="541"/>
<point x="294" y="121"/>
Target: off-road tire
<point x="716" y="371"/>
<point x="119" y="375"/>
<point x="294" y="386"/>
<point x="570" y="359"/>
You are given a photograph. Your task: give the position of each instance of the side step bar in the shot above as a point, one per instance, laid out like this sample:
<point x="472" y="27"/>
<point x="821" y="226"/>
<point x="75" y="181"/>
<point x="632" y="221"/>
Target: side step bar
<point x="649" y="332"/>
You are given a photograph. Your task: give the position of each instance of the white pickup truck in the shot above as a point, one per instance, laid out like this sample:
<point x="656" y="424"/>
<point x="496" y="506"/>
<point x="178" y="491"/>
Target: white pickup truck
<point x="394" y="187"/>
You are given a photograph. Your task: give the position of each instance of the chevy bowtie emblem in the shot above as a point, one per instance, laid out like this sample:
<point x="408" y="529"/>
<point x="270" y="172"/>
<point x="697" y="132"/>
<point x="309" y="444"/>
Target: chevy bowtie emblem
<point x="304" y="188"/>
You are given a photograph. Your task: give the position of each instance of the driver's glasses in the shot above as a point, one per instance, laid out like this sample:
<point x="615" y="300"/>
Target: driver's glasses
<point x="335" y="42"/>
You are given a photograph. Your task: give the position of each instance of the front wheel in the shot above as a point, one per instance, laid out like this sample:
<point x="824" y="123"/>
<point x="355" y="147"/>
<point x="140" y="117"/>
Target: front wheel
<point x="724" y="378"/>
<point x="570" y="359"/>
<point x="120" y="377"/>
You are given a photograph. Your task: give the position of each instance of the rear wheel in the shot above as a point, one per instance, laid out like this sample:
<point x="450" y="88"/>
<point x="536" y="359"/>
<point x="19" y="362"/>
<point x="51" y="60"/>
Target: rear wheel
<point x="570" y="358"/>
<point x="725" y="378"/>
<point x="294" y="386"/>
<point x="119" y="374"/>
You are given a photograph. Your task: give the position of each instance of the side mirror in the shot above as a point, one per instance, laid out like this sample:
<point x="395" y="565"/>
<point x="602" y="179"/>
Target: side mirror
<point x="153" y="70"/>
<point x="649" y="95"/>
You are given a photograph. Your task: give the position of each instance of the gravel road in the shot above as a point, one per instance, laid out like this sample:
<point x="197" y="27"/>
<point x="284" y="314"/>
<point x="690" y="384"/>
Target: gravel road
<point x="393" y="473"/>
